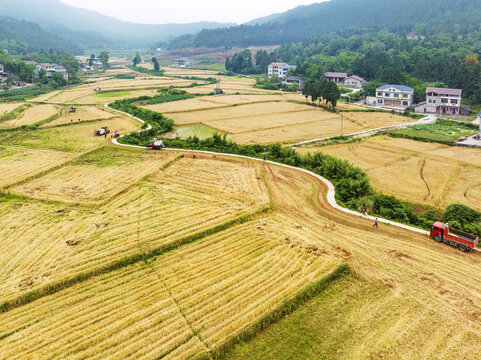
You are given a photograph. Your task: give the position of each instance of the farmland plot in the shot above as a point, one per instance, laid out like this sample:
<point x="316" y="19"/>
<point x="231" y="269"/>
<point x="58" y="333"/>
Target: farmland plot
<point x="253" y="111"/>
<point x="31" y="116"/>
<point x="84" y="113"/>
<point x="93" y="177"/>
<point x="8" y="107"/>
<point x="186" y="301"/>
<point x="17" y="163"/>
<point x="43" y="243"/>
<point x="76" y="138"/>
<point x="434" y="174"/>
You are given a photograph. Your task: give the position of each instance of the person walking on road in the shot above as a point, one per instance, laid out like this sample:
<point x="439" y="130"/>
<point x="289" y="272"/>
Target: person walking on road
<point x="375" y="223"/>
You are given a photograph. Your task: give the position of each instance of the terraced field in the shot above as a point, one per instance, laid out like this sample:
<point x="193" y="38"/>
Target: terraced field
<point x="17" y="163"/>
<point x="31" y="116"/>
<point x="128" y="253"/>
<point x="83" y="113"/>
<point x="429" y="173"/>
<point x="75" y="138"/>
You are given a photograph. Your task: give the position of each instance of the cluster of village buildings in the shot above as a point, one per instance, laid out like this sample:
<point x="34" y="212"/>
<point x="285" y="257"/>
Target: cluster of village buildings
<point x="390" y="96"/>
<point x="49" y="70"/>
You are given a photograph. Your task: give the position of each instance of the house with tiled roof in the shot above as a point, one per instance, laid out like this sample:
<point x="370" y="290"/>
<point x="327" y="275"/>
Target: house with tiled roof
<point x="394" y="96"/>
<point x="442" y="101"/>
<point x="337" y="77"/>
<point x="354" y="81"/>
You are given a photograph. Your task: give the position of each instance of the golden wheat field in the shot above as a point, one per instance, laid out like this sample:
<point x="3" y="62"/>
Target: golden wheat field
<point x="84" y="113"/>
<point x="30" y="116"/>
<point x="428" y="173"/>
<point x="142" y="214"/>
<point x="190" y="300"/>
<point x="8" y="107"/>
<point x="17" y="163"/>
<point x="110" y="252"/>
<point x="241" y="112"/>
<point x="76" y="138"/>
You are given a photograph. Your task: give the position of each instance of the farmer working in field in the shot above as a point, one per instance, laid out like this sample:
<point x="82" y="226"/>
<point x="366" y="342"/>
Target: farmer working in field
<point x="375" y="223"/>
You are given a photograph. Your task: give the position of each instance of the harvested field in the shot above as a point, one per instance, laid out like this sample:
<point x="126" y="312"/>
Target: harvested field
<point x="242" y="113"/>
<point x="184" y="105"/>
<point x="31" y="116"/>
<point x="59" y="241"/>
<point x="264" y="122"/>
<point x="17" y="163"/>
<point x="192" y="299"/>
<point x="8" y="107"/>
<point x="103" y="174"/>
<point x="84" y="113"/>
<point x="211" y="102"/>
<point x="246" y="269"/>
<point x="75" y="138"/>
<point x="428" y="173"/>
<point x="369" y="120"/>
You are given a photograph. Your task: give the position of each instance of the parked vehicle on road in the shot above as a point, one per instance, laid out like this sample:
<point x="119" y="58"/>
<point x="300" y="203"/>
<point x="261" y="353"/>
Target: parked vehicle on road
<point x="443" y="232"/>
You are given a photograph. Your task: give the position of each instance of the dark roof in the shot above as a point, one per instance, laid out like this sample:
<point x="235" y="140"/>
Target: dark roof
<point x="335" y="74"/>
<point x="399" y="87"/>
<point x="442" y="91"/>
<point x="421" y="103"/>
<point x="294" y="78"/>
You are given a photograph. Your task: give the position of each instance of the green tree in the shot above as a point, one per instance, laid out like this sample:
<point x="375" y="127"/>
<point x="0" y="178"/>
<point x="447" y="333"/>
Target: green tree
<point x="91" y="59"/>
<point x="104" y="57"/>
<point x="156" y="64"/>
<point x="137" y="59"/>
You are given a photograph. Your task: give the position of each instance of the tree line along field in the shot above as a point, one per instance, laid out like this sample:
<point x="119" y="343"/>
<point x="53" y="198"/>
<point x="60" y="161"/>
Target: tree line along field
<point x="421" y="172"/>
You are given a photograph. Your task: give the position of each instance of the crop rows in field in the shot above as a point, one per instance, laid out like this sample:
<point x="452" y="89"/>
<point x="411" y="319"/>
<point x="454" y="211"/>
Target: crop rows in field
<point x="44" y="243"/>
<point x="76" y="138"/>
<point x="187" y="301"/>
<point x="421" y="172"/>
<point x="17" y="163"/>
<point x="30" y="116"/>
<point x="92" y="178"/>
<point x="82" y="114"/>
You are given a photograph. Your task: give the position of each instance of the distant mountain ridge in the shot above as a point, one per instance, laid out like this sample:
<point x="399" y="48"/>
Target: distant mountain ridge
<point x="92" y="29"/>
<point x="307" y="22"/>
<point x="19" y="36"/>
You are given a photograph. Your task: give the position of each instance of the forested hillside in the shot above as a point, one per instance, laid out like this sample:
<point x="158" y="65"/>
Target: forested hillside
<point x="308" y="22"/>
<point x="385" y="57"/>
<point x="19" y="37"/>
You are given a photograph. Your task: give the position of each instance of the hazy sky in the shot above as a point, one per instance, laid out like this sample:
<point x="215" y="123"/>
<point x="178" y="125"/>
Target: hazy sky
<point x="184" y="11"/>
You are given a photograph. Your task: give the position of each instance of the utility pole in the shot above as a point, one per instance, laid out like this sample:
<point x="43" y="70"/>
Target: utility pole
<point x="341" y="124"/>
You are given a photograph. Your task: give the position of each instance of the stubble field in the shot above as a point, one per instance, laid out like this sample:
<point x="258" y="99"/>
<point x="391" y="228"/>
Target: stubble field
<point x="30" y="116"/>
<point x="123" y="253"/>
<point x="421" y="172"/>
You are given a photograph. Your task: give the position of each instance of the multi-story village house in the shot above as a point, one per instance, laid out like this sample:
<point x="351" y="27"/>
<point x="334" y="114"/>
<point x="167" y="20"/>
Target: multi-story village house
<point x="394" y="96"/>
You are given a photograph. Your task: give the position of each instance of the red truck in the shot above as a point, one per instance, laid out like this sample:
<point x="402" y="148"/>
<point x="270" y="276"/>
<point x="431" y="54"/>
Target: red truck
<point x="442" y="232"/>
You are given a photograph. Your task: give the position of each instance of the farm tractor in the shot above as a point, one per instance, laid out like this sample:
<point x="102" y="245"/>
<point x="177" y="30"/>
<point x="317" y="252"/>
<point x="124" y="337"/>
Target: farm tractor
<point x="104" y="130"/>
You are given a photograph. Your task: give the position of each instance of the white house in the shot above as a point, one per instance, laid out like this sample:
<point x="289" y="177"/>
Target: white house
<point x="394" y="96"/>
<point x="336" y="77"/>
<point x="1" y="69"/>
<point x="184" y="62"/>
<point x="51" y="68"/>
<point x="441" y="101"/>
<point x="354" y="81"/>
<point x="276" y="69"/>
